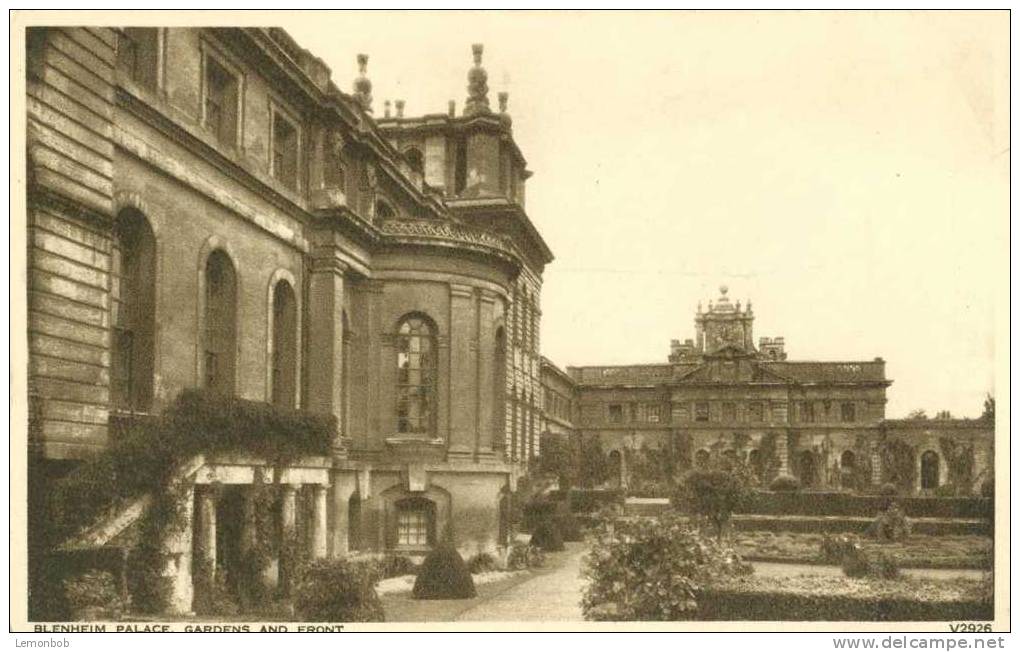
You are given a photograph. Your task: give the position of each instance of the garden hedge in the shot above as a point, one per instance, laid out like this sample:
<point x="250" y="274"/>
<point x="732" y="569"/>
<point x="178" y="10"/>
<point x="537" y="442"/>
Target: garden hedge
<point x="587" y="501"/>
<point x="838" y="599"/>
<point x="840" y="524"/>
<point x="833" y="503"/>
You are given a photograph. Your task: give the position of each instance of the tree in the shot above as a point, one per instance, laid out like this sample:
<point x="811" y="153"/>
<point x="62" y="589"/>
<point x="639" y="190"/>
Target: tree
<point x="714" y="495"/>
<point x="943" y="414"/>
<point x="989" y="412"/>
<point x="917" y="414"/>
<point x="556" y="459"/>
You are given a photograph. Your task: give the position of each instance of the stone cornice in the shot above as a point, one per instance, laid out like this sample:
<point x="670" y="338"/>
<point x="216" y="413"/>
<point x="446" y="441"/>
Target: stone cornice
<point x="450" y="235"/>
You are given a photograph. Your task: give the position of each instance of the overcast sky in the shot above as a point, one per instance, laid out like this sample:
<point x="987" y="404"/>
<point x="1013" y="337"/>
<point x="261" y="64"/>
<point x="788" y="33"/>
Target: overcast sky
<point x="846" y="172"/>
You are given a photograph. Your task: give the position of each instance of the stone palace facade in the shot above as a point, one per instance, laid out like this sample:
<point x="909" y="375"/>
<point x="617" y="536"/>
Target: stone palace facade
<point x="721" y="394"/>
<point x="207" y="209"/>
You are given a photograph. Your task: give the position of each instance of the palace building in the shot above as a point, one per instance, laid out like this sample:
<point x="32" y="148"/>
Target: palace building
<point x="722" y="395"/>
<point x="208" y="209"/>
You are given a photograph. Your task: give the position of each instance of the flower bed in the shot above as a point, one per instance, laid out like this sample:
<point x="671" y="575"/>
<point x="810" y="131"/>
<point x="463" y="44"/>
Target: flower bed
<point x="814" y="598"/>
<point x="916" y="551"/>
<point x="832" y="503"/>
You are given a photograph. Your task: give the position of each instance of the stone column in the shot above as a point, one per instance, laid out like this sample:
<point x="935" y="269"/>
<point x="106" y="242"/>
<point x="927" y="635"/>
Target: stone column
<point x="876" y="463"/>
<point x="462" y="372"/>
<point x="318" y="538"/>
<point x="288" y="535"/>
<point x="344" y="485"/>
<point x="783" y="452"/>
<point x="486" y="381"/>
<point x="206" y="527"/>
<point x="177" y="547"/>
<point x="325" y="335"/>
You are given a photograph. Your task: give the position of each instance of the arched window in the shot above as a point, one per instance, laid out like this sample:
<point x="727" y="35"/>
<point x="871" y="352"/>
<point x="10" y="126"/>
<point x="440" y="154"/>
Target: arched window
<point x="284" y="357"/>
<point x="499" y="402"/>
<point x="807" y="468"/>
<point x="383" y="211"/>
<point x="415" y="159"/>
<point x="220" y="345"/>
<point x="847" y="460"/>
<point x="133" y="310"/>
<point x="615" y="468"/>
<point x="929" y="470"/>
<point x="755" y="462"/>
<point x="701" y="459"/>
<point x="345" y="374"/>
<point x="416" y="376"/>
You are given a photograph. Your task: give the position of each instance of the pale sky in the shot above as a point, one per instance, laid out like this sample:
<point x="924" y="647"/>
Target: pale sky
<point x="847" y="172"/>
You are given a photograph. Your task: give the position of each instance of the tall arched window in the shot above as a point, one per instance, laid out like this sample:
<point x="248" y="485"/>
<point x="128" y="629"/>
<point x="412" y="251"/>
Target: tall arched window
<point x="415" y="159"/>
<point x="220" y="346"/>
<point x="383" y="211"/>
<point x="416" y="376"/>
<point x="929" y="470"/>
<point x="345" y="374"/>
<point x="133" y="309"/>
<point x="499" y="402"/>
<point x="284" y="358"/>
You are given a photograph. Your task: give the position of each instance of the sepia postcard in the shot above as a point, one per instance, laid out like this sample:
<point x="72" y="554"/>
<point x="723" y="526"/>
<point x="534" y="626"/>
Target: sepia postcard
<point x="510" y="321"/>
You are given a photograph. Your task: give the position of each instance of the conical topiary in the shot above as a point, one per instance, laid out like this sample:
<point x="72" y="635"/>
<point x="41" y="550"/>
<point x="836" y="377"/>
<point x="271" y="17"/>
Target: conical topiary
<point x="444" y="576"/>
<point x="547" y="536"/>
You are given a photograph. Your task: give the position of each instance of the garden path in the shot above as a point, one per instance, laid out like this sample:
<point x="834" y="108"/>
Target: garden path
<point x="551" y="593"/>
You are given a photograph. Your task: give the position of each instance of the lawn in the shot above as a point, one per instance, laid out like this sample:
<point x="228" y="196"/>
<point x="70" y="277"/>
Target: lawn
<point x="917" y="551"/>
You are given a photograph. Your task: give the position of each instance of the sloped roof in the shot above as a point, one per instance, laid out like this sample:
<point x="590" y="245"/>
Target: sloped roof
<point x="840" y="372"/>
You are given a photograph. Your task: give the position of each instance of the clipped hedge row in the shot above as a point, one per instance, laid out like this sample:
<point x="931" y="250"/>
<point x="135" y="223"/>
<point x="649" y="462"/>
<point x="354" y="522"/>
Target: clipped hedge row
<point x="846" y="504"/>
<point x="838" y="524"/>
<point x="837" y="599"/>
<point x="587" y="501"/>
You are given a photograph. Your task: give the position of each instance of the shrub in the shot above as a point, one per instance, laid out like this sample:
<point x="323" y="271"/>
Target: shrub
<point x="397" y="566"/>
<point x="523" y="556"/>
<point x="592" y="500"/>
<point x="871" y="564"/>
<point x="482" y="563"/>
<point x="652" y="569"/>
<point x="888" y="489"/>
<point x="444" y="576"/>
<point x="712" y="494"/>
<point x="212" y="595"/>
<point x="890" y="525"/>
<point x="93" y="595"/>
<point x="569" y="526"/>
<point x="834" y="549"/>
<point x="785" y="483"/>
<point x="338" y="590"/>
<point x="547" y="537"/>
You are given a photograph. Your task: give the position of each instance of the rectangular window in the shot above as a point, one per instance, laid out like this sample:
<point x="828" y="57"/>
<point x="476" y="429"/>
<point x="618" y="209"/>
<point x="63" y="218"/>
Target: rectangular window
<point x="755" y="411"/>
<point x="701" y="411"/>
<point x="137" y="54"/>
<point x="616" y="413"/>
<point x="285" y="151"/>
<point x="221" y="96"/>
<point x="729" y="411"/>
<point x="848" y="412"/>
<point x="807" y="412"/>
<point x="412" y="528"/>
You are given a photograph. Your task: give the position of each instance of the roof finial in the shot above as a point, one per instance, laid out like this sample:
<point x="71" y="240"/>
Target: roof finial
<point x="400" y="108"/>
<point x="386" y="109"/>
<point x="363" y="85"/>
<point x="451" y="108"/>
<point x="503" y="97"/>
<point x="478" y="86"/>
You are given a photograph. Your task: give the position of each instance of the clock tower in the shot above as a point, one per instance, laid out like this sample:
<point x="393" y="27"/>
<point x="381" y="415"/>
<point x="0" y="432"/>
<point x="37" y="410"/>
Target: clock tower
<point x="725" y="327"/>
